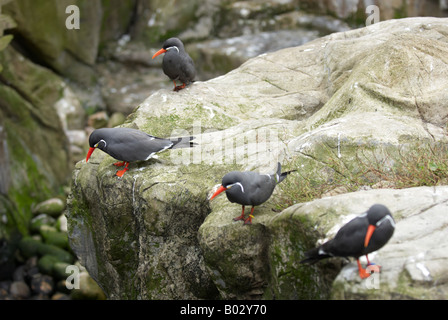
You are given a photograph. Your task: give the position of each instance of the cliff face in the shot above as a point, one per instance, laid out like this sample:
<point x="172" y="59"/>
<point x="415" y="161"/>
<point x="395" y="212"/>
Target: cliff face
<point x="155" y="235"/>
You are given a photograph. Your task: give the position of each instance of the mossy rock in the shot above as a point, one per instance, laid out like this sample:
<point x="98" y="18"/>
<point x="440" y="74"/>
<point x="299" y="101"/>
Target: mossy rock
<point x="53" y="207"/>
<point x="30" y="247"/>
<point x="41" y="220"/>
<point x="46" y="263"/>
<point x="54" y="237"/>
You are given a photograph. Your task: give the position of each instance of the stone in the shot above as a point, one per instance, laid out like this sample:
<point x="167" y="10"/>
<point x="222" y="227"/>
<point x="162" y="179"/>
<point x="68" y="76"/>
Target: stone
<point x="304" y="106"/>
<point x="88" y="289"/>
<point x="33" y="157"/>
<point x="52" y="207"/>
<point x="40" y="220"/>
<point x="19" y="290"/>
<point x="54" y="237"/>
<point x="71" y="53"/>
<point x="98" y="120"/>
<point x="116" y="119"/>
<point x="60" y="296"/>
<point x="46" y="264"/>
<point x="30" y="247"/>
<point x="42" y="284"/>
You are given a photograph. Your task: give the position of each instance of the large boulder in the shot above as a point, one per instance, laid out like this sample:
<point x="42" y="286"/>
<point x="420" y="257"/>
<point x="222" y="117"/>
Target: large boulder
<point x="43" y="33"/>
<point x="155" y="234"/>
<point x="34" y="154"/>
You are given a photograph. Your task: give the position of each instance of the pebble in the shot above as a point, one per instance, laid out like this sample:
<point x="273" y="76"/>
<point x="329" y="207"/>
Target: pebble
<point x="36" y="268"/>
<point x="19" y="290"/>
<point x="42" y="284"/>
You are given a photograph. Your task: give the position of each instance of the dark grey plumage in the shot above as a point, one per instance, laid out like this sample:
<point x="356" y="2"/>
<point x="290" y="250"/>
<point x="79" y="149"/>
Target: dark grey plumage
<point x="250" y="188"/>
<point x="351" y="238"/>
<point x="129" y="145"/>
<point x="177" y="64"/>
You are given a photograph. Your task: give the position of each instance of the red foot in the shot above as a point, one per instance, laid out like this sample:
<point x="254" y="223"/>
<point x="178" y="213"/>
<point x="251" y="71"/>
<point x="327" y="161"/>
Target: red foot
<point x="177" y="88"/>
<point x="371" y="268"/>
<point x="121" y="172"/>
<point x="119" y="164"/>
<point x="241" y="217"/>
<point x="249" y="220"/>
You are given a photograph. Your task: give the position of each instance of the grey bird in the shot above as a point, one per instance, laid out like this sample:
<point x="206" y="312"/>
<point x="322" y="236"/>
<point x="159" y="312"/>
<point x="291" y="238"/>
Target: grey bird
<point x="177" y="64"/>
<point x="129" y="145"/>
<point x="250" y="188"/>
<point x="362" y="235"/>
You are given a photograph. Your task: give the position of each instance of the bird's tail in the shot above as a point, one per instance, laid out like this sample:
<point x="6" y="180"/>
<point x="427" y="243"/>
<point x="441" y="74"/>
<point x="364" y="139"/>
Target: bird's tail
<point x="282" y="175"/>
<point x="314" y="255"/>
<point x="183" y="142"/>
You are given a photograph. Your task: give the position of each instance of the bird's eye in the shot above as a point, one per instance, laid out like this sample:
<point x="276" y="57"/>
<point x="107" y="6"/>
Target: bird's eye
<point x="99" y="142"/>
<point x="236" y="183"/>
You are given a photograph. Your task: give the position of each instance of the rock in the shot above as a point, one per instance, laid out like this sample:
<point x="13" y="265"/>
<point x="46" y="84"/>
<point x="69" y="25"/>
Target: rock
<point x="70" y="111"/>
<point x="60" y="296"/>
<point x="19" y="290"/>
<point x="88" y="289"/>
<point x="71" y="53"/>
<point x="46" y="264"/>
<point x="116" y="119"/>
<point x="54" y="237"/>
<point x="34" y="156"/>
<point x="98" y="120"/>
<point x="355" y="10"/>
<point x="409" y="264"/>
<point x="40" y="220"/>
<point x="59" y="270"/>
<point x="62" y="223"/>
<point x="30" y="247"/>
<point x="306" y="107"/>
<point x="216" y="57"/>
<point x="20" y="273"/>
<point x="53" y="207"/>
<point x="4" y="289"/>
<point x="42" y="284"/>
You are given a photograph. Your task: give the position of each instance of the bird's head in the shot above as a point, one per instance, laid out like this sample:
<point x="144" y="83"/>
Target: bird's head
<point x="231" y="182"/>
<point x="376" y="215"/>
<point x="96" y="140"/>
<point x="170" y="44"/>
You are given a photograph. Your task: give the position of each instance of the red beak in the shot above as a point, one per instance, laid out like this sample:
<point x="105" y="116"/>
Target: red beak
<point x="369" y="233"/>
<point x="220" y="189"/>
<point x="89" y="153"/>
<point x="158" y="53"/>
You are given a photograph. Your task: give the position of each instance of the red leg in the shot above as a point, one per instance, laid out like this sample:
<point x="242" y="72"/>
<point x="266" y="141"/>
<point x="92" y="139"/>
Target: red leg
<point x="177" y="88"/>
<point x="120" y="173"/>
<point x="241" y="217"/>
<point x="372" y="267"/>
<point x="249" y="220"/>
<point x="363" y="274"/>
<point x="119" y="164"/>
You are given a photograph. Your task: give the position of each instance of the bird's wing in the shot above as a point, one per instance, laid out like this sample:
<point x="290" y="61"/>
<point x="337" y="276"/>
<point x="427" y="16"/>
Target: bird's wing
<point x="187" y="70"/>
<point x="134" y="145"/>
<point x="349" y="240"/>
<point x="260" y="187"/>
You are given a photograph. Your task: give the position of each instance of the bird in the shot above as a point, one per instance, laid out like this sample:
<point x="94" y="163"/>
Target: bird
<point x="250" y="188"/>
<point x="130" y="145"/>
<point x="177" y="64"/>
<point x="362" y="235"/>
